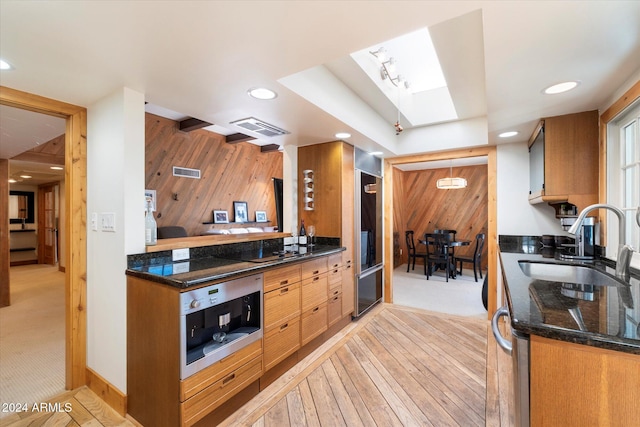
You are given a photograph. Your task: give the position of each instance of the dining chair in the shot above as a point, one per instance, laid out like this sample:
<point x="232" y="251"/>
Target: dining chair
<point x="413" y="253"/>
<point x="171" y="231"/>
<point x="476" y="259"/>
<point x="437" y="253"/>
<point x="451" y="237"/>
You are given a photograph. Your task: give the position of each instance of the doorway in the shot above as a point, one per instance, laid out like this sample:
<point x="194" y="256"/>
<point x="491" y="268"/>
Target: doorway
<point x="491" y="239"/>
<point x="75" y="226"/>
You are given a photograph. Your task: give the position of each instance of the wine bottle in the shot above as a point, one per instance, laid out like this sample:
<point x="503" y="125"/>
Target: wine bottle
<point x="150" y="227"/>
<point x="302" y="236"/>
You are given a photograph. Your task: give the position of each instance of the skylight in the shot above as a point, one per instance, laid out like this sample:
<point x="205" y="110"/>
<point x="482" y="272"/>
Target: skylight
<point x="426" y="98"/>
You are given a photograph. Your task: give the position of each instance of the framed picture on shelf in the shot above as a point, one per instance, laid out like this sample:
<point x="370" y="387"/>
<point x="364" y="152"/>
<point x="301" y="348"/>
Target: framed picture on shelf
<point x="261" y="216"/>
<point x="220" y="217"/>
<point x="240" y="212"/>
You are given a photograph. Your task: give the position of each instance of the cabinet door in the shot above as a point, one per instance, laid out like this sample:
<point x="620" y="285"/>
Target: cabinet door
<point x="314" y="291"/>
<point x="281" y="305"/>
<point x="281" y="342"/>
<point x="314" y="322"/>
<point x="536" y="165"/>
<point x="348" y="289"/>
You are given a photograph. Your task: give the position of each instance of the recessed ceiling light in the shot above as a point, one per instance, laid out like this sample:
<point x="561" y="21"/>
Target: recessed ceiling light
<point x="508" y="134"/>
<point x="261" y="93"/>
<point x="561" y="87"/>
<point x="25" y="176"/>
<point x="57" y="168"/>
<point x="12" y="181"/>
<point x="343" y="135"/>
<point x="4" y="65"/>
<point x="376" y="153"/>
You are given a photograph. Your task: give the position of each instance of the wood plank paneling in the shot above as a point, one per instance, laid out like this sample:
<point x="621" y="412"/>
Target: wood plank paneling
<point x="229" y="172"/>
<point x="420" y="206"/>
<point x="49" y="152"/>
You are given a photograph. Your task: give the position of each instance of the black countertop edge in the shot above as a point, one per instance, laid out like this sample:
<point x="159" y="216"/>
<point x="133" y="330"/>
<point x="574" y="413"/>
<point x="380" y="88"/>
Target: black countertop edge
<point x="228" y="269"/>
<point x="577" y="337"/>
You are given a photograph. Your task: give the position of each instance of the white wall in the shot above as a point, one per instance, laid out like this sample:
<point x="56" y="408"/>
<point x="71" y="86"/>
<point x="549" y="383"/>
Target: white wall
<point x="115" y="183"/>
<point x="515" y="215"/>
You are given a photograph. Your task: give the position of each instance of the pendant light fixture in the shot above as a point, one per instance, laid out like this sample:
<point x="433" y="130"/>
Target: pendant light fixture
<point x="451" y="183"/>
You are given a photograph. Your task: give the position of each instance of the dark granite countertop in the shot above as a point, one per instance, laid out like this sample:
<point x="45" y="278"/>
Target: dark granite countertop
<point x="541" y="307"/>
<point x="214" y="265"/>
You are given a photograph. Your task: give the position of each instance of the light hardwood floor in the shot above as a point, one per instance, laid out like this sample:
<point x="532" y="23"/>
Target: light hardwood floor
<point x="395" y="366"/>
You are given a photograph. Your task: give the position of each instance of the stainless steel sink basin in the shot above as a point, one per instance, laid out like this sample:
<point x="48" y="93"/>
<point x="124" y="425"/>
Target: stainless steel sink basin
<point x="567" y="274"/>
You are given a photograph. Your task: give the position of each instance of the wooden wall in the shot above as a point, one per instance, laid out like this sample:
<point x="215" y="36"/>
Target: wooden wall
<point x="229" y="172"/>
<point x="421" y="207"/>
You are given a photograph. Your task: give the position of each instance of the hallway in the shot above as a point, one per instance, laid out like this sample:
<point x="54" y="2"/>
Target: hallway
<point x="32" y="336"/>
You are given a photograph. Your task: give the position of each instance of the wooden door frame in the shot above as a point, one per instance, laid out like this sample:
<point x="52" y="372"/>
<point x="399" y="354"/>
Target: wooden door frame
<point x="492" y="214"/>
<point x="75" y="224"/>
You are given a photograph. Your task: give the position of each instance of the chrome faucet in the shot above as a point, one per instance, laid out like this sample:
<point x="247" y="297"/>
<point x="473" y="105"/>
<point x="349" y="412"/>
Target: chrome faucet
<point x="624" y="251"/>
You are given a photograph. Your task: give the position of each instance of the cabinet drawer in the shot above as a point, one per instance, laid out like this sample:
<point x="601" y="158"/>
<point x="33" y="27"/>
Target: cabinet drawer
<point x="281" y="305"/>
<point x="314" y="267"/>
<point x="280" y="342"/>
<point x="335" y="277"/>
<point x="273" y="279"/>
<point x="314" y="322"/>
<point x="197" y="382"/>
<point x="314" y="291"/>
<point x="334" y="309"/>
<point x="336" y="290"/>
<point x="334" y="261"/>
<point x="210" y="398"/>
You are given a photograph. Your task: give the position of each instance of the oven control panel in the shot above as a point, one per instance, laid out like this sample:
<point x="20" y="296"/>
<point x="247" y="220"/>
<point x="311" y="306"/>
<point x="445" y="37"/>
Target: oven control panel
<point x="209" y="296"/>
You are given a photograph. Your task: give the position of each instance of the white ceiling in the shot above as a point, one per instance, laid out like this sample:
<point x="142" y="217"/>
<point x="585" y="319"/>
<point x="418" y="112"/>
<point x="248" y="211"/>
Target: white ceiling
<point x="199" y="58"/>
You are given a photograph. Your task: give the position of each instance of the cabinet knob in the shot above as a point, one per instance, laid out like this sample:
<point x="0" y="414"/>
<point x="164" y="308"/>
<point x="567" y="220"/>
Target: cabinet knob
<point x="195" y="303"/>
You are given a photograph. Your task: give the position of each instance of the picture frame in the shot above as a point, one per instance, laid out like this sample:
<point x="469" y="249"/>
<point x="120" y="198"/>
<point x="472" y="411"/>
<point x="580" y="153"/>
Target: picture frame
<point x="240" y="212"/>
<point x="220" y="217"/>
<point x="261" y="216"/>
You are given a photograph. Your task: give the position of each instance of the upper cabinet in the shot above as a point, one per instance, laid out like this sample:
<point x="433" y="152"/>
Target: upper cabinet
<point x="563" y="160"/>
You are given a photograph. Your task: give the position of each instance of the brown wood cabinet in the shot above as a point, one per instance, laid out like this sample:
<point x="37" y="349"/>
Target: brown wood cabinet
<point x="564" y="162"/>
<point x="579" y="385"/>
<point x="153" y="362"/>
<point x="282" y="289"/>
<point x="333" y="214"/>
<point x="300" y="303"/>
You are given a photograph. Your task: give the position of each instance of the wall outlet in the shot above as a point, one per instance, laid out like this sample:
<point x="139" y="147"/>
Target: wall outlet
<point x="180" y="254"/>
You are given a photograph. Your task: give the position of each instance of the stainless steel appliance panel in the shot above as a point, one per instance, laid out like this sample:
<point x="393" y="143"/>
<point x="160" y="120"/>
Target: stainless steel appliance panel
<point x="517" y="346"/>
<point x="369" y="244"/>
<point x="218" y="320"/>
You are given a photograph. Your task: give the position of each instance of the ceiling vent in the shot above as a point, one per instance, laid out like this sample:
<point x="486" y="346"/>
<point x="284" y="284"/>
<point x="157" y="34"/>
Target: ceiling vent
<point x="258" y="126"/>
<point x="186" y="172"/>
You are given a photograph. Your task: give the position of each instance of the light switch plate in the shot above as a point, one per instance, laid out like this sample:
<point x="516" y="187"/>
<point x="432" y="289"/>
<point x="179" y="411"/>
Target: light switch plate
<point x="94" y="221"/>
<point x="108" y="221"/>
<point x="180" y="254"/>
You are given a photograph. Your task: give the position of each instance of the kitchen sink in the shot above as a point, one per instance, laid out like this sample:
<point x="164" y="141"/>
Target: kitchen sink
<point x="567" y="273"/>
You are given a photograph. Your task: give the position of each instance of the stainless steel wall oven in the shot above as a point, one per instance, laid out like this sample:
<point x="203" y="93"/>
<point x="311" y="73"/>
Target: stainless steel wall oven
<point x="218" y="320"/>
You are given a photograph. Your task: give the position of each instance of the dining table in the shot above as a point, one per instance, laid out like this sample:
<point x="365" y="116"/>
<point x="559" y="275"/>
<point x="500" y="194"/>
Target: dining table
<point x="449" y="244"/>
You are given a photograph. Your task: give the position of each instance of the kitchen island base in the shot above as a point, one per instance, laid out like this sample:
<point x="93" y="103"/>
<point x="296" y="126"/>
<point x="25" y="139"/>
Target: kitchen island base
<point x="580" y="385"/>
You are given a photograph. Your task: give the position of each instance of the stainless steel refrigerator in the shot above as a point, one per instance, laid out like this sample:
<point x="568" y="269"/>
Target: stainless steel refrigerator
<point x="368" y="226"/>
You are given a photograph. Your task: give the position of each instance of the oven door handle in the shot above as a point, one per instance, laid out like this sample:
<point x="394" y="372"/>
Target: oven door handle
<point x="504" y="343"/>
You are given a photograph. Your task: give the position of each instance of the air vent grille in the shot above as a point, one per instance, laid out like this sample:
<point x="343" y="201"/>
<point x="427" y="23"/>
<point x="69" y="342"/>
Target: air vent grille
<point x="186" y="172"/>
<point x="260" y="127"/>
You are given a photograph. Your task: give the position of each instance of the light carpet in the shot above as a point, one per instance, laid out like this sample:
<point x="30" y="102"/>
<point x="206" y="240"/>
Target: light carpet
<point x="32" y="336"/>
<point x="461" y="296"/>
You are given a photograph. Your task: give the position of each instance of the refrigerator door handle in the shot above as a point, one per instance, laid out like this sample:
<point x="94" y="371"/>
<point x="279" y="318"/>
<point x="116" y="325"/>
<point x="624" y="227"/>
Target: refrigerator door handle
<point x="504" y="343"/>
